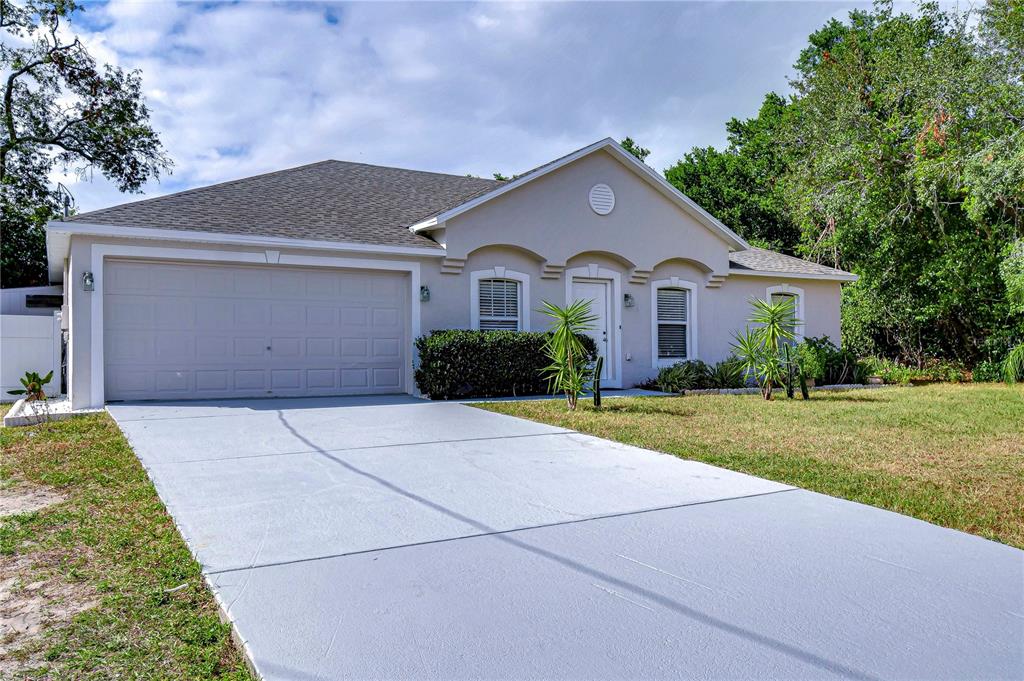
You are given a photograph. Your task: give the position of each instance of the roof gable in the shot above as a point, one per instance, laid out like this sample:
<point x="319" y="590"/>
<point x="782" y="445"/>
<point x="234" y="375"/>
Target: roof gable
<point x="609" y="145"/>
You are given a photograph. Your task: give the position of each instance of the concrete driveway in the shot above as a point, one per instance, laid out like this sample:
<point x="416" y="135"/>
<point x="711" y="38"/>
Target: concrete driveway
<point x="396" y="538"/>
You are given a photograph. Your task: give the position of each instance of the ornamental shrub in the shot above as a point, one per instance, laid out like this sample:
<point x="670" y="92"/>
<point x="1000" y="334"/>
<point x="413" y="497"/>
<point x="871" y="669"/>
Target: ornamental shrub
<point x="458" y="363"/>
<point x="987" y="371"/>
<point x="691" y="375"/>
<point x="827" y="364"/>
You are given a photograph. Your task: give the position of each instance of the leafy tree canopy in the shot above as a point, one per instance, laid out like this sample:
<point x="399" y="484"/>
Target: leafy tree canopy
<point x="632" y="147"/>
<point x="743" y="185"/>
<point x="899" y="156"/>
<point x="60" y="109"/>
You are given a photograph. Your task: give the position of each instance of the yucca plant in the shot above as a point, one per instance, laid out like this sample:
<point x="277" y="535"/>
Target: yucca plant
<point x="760" y="349"/>
<point x="1013" y="365"/>
<point x="570" y="371"/>
<point x="34" y="386"/>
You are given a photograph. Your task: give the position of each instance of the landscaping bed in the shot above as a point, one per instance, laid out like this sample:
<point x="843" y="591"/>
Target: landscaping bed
<point x="946" y="453"/>
<point x="96" y="581"/>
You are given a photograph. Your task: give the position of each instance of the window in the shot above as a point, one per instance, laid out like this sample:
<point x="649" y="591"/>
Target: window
<point x="776" y="294"/>
<point x="499" y="304"/>
<point x="673" y="319"/>
<point x="499" y="299"/>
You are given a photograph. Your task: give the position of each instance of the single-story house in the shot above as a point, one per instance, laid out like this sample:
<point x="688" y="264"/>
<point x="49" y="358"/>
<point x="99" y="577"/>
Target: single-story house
<point x="316" y="280"/>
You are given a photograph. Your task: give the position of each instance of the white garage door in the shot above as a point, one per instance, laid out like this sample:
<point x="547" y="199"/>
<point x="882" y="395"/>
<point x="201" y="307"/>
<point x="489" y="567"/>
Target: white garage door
<point x="188" y="331"/>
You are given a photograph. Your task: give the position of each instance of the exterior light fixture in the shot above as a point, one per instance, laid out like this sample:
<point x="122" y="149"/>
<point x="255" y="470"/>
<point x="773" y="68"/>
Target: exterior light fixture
<point x="424" y="294"/>
<point x="628" y="301"/>
<point x="87" y="281"/>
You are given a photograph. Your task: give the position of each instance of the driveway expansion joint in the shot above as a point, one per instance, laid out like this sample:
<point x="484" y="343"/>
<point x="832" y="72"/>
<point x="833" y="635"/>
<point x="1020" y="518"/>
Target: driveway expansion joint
<point x="355" y="449"/>
<point x="514" y="530"/>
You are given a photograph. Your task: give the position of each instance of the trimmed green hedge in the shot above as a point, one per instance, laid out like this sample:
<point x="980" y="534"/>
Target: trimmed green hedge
<point x="457" y="363"/>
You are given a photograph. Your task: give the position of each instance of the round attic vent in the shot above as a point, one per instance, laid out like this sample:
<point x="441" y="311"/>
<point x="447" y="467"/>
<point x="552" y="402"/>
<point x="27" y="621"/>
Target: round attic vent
<point x="602" y="199"/>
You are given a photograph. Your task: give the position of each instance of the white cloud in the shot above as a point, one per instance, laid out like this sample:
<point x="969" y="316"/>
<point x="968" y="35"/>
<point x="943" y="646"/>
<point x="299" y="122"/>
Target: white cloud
<point x="237" y="89"/>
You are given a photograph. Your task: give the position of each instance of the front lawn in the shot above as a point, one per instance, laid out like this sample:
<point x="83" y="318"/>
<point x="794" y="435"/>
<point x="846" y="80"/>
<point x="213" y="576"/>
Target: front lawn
<point x="102" y="582"/>
<point x="949" y="454"/>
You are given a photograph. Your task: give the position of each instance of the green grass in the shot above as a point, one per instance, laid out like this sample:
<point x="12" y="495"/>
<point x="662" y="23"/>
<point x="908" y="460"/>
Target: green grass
<point x="113" y="543"/>
<point x="949" y="454"/>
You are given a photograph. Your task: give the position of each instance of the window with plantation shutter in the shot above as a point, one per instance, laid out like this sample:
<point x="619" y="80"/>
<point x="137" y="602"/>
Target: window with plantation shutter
<point x="672" y="321"/>
<point x="499" y="304"/>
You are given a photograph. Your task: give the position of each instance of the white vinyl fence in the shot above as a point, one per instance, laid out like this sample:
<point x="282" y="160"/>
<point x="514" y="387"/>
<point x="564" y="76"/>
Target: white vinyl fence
<point x="29" y="343"/>
<point x="12" y="300"/>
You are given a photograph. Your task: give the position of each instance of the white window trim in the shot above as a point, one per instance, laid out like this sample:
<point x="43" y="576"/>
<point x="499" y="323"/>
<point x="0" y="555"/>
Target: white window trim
<point x="499" y="273"/>
<point x="99" y="252"/>
<point x="691" y="321"/>
<point x="799" y="294"/>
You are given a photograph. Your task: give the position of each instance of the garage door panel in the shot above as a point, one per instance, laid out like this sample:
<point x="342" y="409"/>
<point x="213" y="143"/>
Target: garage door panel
<point x="355" y="348"/>
<point x="174" y="348"/>
<point x="251" y="331"/>
<point x="318" y="315"/>
<point x="172" y="279"/>
<point x="386" y="377"/>
<point x="173" y="313"/>
<point x="213" y="348"/>
<point x="353" y="316"/>
<point x="252" y="313"/>
<point x="174" y="381"/>
<point x="355" y="378"/>
<point x="286" y="315"/>
<point x="211" y="381"/>
<point x="252" y="283"/>
<point x="319" y="348"/>
<point x="286" y="348"/>
<point x="321" y="379"/>
<point x="386" y="348"/>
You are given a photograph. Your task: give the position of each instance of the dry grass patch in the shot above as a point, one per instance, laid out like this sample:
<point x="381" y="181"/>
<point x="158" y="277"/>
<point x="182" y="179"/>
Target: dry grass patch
<point x="948" y="454"/>
<point x="88" y="582"/>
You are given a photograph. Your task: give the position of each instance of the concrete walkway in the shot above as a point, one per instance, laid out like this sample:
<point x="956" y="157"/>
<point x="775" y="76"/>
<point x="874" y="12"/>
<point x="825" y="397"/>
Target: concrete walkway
<point x="396" y="538"/>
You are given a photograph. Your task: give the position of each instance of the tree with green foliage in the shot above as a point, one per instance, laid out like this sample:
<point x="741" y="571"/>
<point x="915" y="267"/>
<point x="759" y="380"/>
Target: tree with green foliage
<point x="743" y="186"/>
<point x="632" y="147"/>
<point x="907" y="155"/>
<point x="60" y="109"/>
<point x="898" y="156"/>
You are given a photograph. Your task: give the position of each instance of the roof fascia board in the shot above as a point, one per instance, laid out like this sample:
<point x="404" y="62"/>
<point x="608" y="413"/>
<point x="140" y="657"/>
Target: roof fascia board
<point x="623" y="156"/>
<point x="117" y="231"/>
<point x="846" y="276"/>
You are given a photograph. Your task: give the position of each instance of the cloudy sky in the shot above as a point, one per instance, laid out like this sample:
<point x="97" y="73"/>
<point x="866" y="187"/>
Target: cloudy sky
<point x="241" y="88"/>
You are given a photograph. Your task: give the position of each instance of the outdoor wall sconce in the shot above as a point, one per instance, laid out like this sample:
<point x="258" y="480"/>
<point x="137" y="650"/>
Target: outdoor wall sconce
<point x="424" y="294"/>
<point x="628" y="301"/>
<point x="87" y="281"/>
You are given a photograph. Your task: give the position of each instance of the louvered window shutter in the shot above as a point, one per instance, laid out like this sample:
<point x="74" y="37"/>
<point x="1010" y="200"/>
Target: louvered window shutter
<point x="673" y="318"/>
<point x="499" y="304"/>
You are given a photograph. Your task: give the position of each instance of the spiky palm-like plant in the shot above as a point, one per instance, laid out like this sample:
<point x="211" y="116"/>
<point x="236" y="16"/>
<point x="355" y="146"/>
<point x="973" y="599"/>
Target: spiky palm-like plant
<point x="1013" y="365"/>
<point x="761" y="349"/>
<point x="570" y="370"/>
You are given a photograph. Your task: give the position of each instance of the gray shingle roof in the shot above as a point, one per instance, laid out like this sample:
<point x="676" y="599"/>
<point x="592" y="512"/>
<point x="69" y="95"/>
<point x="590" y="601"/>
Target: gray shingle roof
<point x="769" y="261"/>
<point x="346" y="202"/>
<point x="329" y="200"/>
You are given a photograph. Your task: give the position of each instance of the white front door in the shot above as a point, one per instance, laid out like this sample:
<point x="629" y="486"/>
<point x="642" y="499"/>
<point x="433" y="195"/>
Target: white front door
<point x="598" y="293"/>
